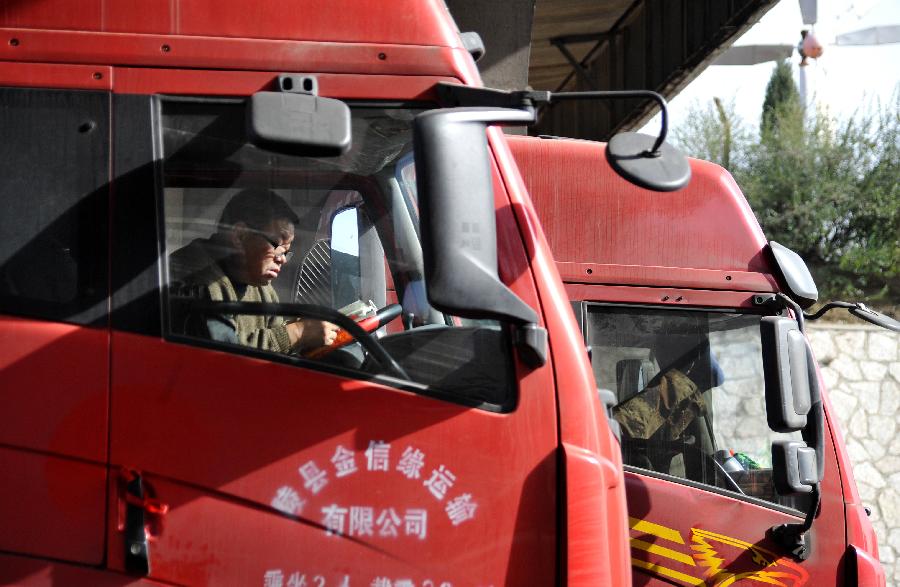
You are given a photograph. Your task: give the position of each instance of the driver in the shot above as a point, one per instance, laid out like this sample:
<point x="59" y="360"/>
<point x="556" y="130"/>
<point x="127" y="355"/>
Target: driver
<point x="666" y="408"/>
<point x="238" y="264"/>
<point x="674" y="399"/>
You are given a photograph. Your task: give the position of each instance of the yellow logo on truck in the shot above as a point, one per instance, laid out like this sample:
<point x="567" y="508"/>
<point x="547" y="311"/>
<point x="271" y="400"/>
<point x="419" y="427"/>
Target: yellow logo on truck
<point x="711" y="560"/>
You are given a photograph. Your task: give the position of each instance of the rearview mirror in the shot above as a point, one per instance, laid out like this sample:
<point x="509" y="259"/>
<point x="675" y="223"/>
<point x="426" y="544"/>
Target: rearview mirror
<point x="799" y="281"/>
<point x="299" y="124"/>
<point x="786" y="369"/>
<point x="456" y="201"/>
<point x="794" y="467"/>
<point x="647" y="162"/>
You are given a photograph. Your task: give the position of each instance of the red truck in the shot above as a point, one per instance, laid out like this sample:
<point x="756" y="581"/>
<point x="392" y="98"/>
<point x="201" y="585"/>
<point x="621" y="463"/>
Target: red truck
<point x="685" y="283"/>
<point x="449" y="444"/>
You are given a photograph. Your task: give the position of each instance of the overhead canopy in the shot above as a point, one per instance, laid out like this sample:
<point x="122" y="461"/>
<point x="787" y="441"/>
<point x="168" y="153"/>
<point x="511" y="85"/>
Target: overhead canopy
<point x="658" y="45"/>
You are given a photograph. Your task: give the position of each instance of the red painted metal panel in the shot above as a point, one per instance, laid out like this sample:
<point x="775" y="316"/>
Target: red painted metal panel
<point x="16" y="570"/>
<point x="704" y="519"/>
<point x="46" y="75"/>
<point x="53" y="388"/>
<point x="661" y="296"/>
<point x="222" y="438"/>
<point x="670" y="276"/>
<point x="715" y="533"/>
<point x="245" y="83"/>
<point x="591" y="490"/>
<point x="54" y="382"/>
<point x="591" y="215"/>
<point x="869" y="572"/>
<point x="408" y="22"/>
<point x="583" y="424"/>
<point x="218" y="53"/>
<point x="51" y="507"/>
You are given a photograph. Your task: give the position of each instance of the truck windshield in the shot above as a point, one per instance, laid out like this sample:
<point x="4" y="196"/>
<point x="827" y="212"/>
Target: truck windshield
<point x="690" y="395"/>
<point x="243" y="224"/>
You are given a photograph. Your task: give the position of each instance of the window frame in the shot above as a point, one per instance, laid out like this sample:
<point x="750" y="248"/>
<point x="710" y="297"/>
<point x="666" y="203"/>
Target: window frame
<point x="421" y="389"/>
<point x="582" y="310"/>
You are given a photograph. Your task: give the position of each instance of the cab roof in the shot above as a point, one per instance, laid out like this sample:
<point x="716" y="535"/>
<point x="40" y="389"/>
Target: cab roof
<point x="399" y="22"/>
<point x="603" y="229"/>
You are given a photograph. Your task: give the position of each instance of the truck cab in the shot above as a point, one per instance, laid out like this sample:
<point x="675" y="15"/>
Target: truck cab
<point x="446" y="444"/>
<point x="673" y="292"/>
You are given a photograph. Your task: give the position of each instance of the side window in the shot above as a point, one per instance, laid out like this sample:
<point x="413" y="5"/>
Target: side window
<point x="54" y="176"/>
<point x="316" y="235"/>
<point x="331" y="272"/>
<point x="690" y="394"/>
<point x="345" y="265"/>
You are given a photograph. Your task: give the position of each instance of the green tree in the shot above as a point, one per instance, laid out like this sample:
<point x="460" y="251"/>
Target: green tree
<point x="826" y="188"/>
<point x="714" y="132"/>
<point x="781" y="92"/>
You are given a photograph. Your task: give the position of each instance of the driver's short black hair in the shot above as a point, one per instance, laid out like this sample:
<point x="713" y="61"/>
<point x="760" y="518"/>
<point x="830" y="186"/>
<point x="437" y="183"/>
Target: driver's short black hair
<point x="257" y="208"/>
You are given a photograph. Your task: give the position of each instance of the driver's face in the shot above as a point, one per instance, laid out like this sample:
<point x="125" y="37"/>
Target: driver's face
<point x="265" y="251"/>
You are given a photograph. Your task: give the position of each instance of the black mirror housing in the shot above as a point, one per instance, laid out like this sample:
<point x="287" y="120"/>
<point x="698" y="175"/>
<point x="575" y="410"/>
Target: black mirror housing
<point x="299" y="124"/>
<point x="794" y="467"/>
<point x="630" y="155"/>
<point x="456" y="201"/>
<point x="787" y="374"/>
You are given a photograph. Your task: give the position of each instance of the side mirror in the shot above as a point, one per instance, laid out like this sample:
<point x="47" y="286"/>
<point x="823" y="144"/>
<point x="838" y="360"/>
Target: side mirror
<point x="647" y="162"/>
<point x="456" y="201"/>
<point x="794" y="467"/>
<point x="799" y="281"/>
<point x="787" y="373"/>
<point x="299" y="124"/>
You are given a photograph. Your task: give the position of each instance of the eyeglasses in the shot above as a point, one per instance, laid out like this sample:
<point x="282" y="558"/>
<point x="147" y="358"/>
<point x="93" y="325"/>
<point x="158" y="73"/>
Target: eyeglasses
<point x="276" y="246"/>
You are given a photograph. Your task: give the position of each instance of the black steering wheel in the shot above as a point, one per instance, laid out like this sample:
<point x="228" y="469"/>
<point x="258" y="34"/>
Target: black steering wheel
<point x="387" y="315"/>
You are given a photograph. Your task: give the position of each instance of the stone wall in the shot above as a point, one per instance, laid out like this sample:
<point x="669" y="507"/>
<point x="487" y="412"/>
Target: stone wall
<point x="861" y="368"/>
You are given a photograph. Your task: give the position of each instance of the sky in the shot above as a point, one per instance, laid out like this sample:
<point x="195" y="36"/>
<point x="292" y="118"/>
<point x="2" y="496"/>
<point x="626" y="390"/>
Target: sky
<point x="846" y="79"/>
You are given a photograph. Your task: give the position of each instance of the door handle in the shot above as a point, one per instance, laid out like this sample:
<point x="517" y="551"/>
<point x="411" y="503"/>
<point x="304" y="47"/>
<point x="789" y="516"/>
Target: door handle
<point x="140" y="519"/>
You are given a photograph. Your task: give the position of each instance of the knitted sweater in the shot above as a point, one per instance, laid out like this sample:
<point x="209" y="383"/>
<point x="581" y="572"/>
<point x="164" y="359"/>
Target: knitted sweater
<point x="196" y="271"/>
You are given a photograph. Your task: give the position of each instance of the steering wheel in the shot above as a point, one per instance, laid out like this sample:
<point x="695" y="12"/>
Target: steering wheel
<point x="383" y="316"/>
<point x="366" y="340"/>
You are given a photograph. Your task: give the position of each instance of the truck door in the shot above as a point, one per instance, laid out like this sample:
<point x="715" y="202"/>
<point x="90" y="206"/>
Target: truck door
<point x="54" y="341"/>
<point x="252" y="466"/>
<point x="688" y="387"/>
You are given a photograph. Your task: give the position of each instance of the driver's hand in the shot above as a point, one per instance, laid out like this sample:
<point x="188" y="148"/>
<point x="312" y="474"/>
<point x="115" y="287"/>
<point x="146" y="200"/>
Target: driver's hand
<point x="311" y="334"/>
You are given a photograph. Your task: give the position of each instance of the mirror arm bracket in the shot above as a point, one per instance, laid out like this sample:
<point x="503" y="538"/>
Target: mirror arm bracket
<point x="645" y="161"/>
<point x="625" y="94"/>
<point x="858" y="310"/>
<point x="530" y="341"/>
<point x="454" y="95"/>
<point x="780" y="301"/>
<point x="797" y="538"/>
